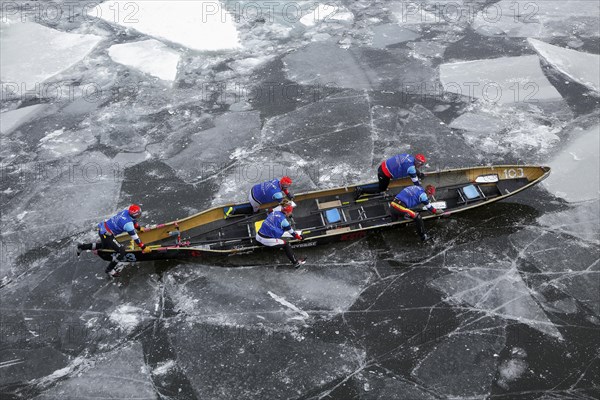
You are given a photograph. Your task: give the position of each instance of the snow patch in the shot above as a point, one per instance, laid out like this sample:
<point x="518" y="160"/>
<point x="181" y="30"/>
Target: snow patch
<point x="127" y="317"/>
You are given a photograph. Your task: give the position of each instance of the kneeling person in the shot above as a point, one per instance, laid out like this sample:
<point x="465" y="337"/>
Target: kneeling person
<point x="409" y="198"/>
<point x="273" y="228"/>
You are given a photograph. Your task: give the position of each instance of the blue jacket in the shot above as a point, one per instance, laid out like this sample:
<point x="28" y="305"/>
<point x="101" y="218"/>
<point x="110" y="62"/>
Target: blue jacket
<point x="267" y="192"/>
<point x="412" y="196"/>
<point x="401" y="166"/>
<point x="275" y="225"/>
<point x="122" y="222"/>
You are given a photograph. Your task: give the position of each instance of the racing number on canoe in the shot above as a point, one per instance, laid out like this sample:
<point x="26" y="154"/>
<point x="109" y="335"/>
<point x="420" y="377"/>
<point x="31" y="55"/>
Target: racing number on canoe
<point x="353" y="235"/>
<point x="513" y="173"/>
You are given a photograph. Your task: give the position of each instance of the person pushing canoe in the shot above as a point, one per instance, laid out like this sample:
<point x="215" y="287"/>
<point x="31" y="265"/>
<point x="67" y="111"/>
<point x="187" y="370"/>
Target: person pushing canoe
<point x="124" y="221"/>
<point x="270" y="191"/>
<point x="408" y="198"/>
<point x="397" y="167"/>
<point x="273" y="228"/>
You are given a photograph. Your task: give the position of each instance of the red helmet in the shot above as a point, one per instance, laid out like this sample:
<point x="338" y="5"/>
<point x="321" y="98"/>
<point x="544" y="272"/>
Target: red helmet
<point x="135" y="211"/>
<point x="287" y="209"/>
<point x="420" y="158"/>
<point x="430" y="190"/>
<point x="285" y="181"/>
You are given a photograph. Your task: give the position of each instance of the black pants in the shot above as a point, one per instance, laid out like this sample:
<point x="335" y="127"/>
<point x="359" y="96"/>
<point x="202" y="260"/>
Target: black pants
<point x="384" y="182"/>
<point x="399" y="210"/>
<point x="107" y="242"/>
<point x="285" y="246"/>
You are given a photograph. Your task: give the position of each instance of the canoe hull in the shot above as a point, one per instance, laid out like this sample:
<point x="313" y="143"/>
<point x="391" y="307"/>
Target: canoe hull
<point x="211" y="235"/>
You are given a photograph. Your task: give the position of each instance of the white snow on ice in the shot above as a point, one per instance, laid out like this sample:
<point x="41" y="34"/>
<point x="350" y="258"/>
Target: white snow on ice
<point x="581" y="67"/>
<point x="149" y="56"/>
<point x="285" y="303"/>
<point x="163" y="367"/>
<point x="202" y="25"/>
<point x="127" y="317"/>
<point x="31" y="53"/>
<point x="501" y="80"/>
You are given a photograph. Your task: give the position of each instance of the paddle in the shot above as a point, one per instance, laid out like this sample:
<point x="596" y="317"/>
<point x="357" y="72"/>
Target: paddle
<point x="341" y="225"/>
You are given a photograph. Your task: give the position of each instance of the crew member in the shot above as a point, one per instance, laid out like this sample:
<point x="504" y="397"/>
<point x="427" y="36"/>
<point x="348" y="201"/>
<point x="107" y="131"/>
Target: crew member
<point x="124" y="221"/>
<point x="411" y="197"/>
<point x="397" y="167"/>
<point x="270" y="191"/>
<point x="272" y="230"/>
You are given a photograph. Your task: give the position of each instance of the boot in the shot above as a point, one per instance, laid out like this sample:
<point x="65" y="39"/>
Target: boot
<point x="358" y="192"/>
<point x="111" y="269"/>
<point x="300" y="262"/>
<point x="85" y="246"/>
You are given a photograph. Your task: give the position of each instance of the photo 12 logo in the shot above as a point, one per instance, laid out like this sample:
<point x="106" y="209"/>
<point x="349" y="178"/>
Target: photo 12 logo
<point x="64" y="91"/>
<point x="51" y="12"/>
<point x="466" y="12"/>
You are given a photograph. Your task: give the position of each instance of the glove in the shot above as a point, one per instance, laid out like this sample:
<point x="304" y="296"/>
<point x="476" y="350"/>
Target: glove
<point x="141" y="229"/>
<point x="146" y="250"/>
<point x="298" y="236"/>
<point x="290" y="196"/>
<point x="420" y="175"/>
<point x="438" y="212"/>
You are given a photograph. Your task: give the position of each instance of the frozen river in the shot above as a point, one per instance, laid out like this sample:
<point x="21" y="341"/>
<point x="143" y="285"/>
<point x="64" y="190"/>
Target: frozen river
<point x="183" y="105"/>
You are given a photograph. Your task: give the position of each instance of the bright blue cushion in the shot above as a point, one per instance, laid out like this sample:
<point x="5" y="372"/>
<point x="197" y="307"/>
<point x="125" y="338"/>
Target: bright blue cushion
<point x="471" y="192"/>
<point x="333" y="215"/>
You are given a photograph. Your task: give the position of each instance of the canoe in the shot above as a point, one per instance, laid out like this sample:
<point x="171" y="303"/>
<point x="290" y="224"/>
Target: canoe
<point x="326" y="216"/>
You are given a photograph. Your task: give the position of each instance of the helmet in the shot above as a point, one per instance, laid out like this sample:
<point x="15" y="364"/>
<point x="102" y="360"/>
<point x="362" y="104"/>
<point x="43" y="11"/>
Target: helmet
<point x="285" y="181"/>
<point x="420" y="158"/>
<point x="287" y="209"/>
<point x="135" y="211"/>
<point x="430" y="190"/>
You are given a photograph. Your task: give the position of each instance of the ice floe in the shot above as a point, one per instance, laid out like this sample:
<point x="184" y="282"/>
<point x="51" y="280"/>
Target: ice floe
<point x="497" y="290"/>
<point x="31" y="53"/>
<point x="199" y="25"/>
<point x="11" y="120"/>
<point x="149" y="56"/>
<point x="576" y="169"/>
<point x="198" y="161"/>
<point x="539" y="19"/>
<point x="501" y="80"/>
<point x="390" y="34"/>
<point x="581" y="67"/>
<point x="119" y="374"/>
